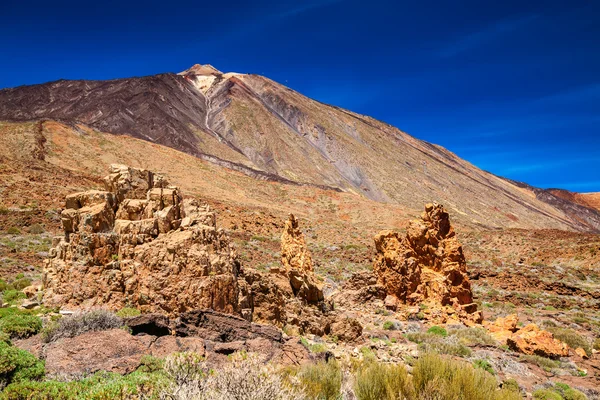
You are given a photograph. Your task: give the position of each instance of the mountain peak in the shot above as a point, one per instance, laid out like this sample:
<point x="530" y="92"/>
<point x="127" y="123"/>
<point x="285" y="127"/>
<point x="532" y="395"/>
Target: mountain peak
<point x="199" y="69"/>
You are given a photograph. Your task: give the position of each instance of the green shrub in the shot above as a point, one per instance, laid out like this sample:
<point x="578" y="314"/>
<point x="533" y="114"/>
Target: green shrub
<point x="546" y="394"/>
<point x="321" y="381"/>
<point x="438" y="378"/>
<point x="18" y="365"/>
<point x="21" y="283"/>
<point x="18" y="325"/>
<point x="75" y="325"/>
<point x="511" y="385"/>
<point x="572" y="338"/>
<point x="5" y="286"/>
<point x="439" y="344"/>
<point x="20" y="275"/>
<point x="567" y="392"/>
<point x="13" y="230"/>
<point x="128" y="312"/>
<point x="473" y="336"/>
<point x="3" y="210"/>
<point x="437" y="330"/>
<point x="375" y="381"/>
<point x="544" y="363"/>
<point x="11" y="296"/>
<point x="389" y="326"/>
<point x="597" y="344"/>
<point x="484" y="365"/>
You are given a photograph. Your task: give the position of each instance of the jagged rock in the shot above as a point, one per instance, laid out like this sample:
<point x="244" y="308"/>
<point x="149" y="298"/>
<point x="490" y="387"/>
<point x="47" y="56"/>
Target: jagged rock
<point x="297" y="263"/>
<point x="220" y="327"/>
<point x="426" y="265"/>
<point x="534" y="341"/>
<point x="127" y="246"/>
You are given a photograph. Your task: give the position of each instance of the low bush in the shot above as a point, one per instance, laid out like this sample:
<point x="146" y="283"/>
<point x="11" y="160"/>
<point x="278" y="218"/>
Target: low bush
<point x="100" y="386"/>
<point x="438" y="378"/>
<point x="243" y="378"/>
<point x="18" y="365"/>
<point x="21" y="283"/>
<point x="75" y="325"/>
<point x="128" y="312"/>
<point x="437" y="330"/>
<point x="544" y="363"/>
<point x="473" y="337"/>
<point x="546" y="394"/>
<point x="13" y="230"/>
<point x="389" y="326"/>
<point x="321" y="381"/>
<point x="439" y="344"/>
<point x="11" y="296"/>
<point x="572" y="338"/>
<point x="17" y="325"/>
<point x="484" y="365"/>
<point x="375" y="381"/>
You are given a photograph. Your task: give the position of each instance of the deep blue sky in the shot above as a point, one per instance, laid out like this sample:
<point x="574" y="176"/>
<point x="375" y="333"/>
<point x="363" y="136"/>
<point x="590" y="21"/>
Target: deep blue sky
<point x="512" y="86"/>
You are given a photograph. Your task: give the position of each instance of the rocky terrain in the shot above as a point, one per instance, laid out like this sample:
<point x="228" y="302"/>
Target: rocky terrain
<point x="196" y="258"/>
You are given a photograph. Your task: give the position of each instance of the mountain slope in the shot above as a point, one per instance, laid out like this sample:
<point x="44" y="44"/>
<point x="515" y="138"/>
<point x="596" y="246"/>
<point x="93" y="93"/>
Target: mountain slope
<point x="254" y="125"/>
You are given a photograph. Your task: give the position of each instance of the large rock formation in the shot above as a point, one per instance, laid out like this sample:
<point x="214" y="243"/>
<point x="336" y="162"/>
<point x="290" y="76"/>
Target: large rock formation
<point x="139" y="244"/>
<point x="426" y="265"/>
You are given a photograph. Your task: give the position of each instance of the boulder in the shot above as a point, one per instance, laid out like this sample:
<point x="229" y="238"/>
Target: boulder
<point x="346" y="329"/>
<point x="113" y="350"/>
<point x="426" y="265"/>
<point x="534" y="341"/>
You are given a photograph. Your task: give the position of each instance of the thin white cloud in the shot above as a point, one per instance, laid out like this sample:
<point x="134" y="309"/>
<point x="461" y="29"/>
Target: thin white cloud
<point x="477" y="39"/>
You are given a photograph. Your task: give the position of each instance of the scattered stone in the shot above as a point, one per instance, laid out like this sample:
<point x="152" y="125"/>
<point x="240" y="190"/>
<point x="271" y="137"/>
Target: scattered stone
<point x="30" y="304"/>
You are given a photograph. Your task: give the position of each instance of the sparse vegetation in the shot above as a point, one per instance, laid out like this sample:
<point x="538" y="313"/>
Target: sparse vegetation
<point x="71" y="326"/>
<point x="374" y="381"/>
<point x="389" y="326"/>
<point x="429" y="342"/>
<point x="572" y="338"/>
<point x="128" y="312"/>
<point x="437" y="330"/>
<point x="321" y="381"/>
<point x="13" y="230"/>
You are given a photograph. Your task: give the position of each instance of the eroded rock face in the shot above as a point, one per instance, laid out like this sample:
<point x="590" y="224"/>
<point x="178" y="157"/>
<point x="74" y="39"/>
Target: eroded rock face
<point x="297" y="263"/>
<point x="426" y="265"/>
<point x="139" y="244"/>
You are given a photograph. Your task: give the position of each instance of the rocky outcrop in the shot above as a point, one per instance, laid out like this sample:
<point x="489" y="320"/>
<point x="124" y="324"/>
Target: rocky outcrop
<point x="529" y="340"/>
<point x="139" y="244"/>
<point x="426" y="265"/>
<point x="297" y="264"/>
